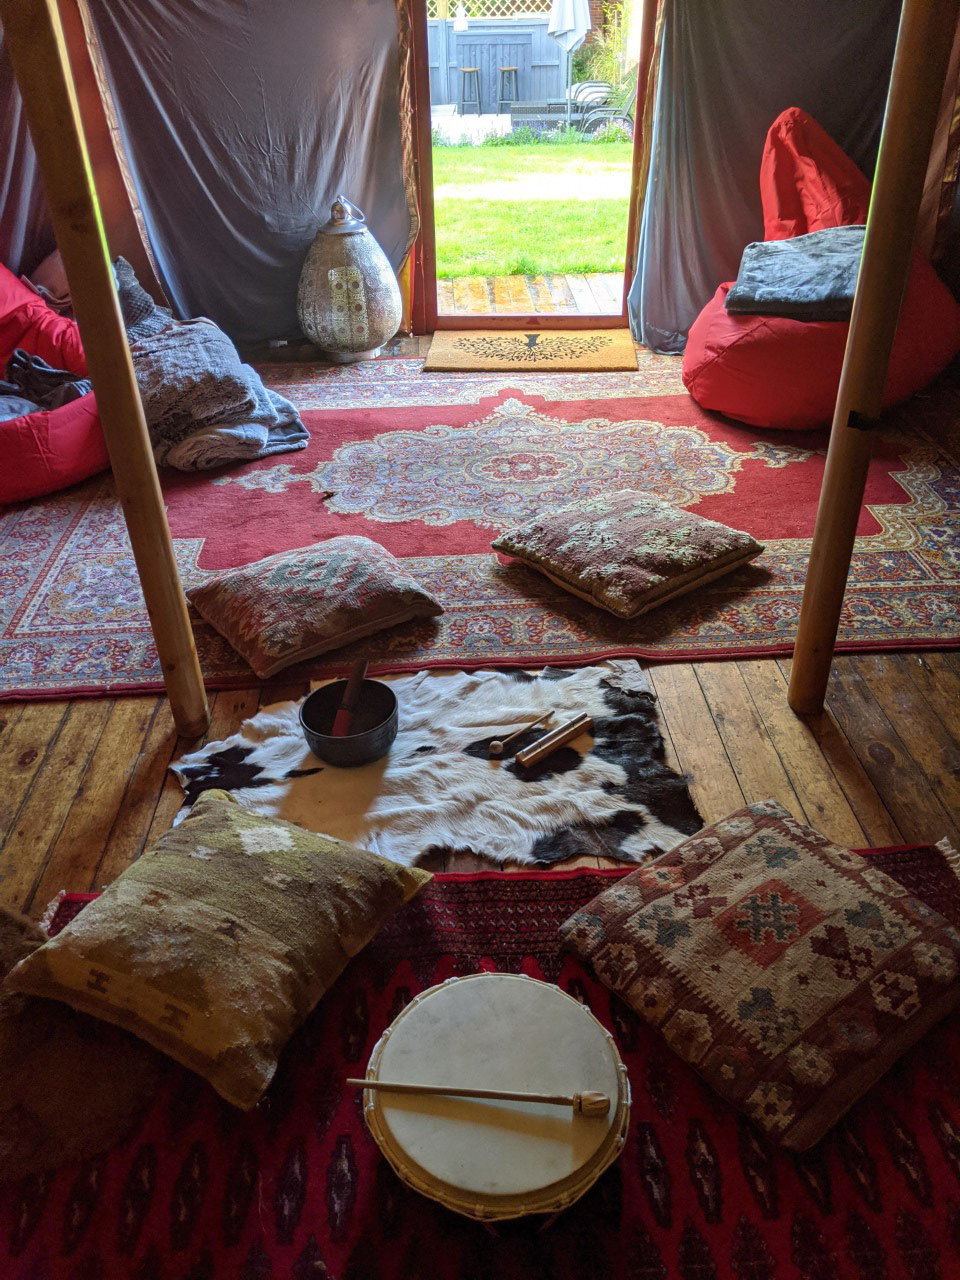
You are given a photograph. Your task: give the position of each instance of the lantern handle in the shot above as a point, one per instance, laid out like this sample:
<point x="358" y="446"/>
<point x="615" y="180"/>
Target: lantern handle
<point x="344" y="212"/>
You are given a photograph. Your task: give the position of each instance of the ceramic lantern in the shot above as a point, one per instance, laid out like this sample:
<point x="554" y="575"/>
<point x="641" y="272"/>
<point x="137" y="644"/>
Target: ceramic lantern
<point x="348" y="300"/>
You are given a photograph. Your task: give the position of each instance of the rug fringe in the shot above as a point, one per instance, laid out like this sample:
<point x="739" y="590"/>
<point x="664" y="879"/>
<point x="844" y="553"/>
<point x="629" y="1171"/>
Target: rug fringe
<point x="950" y="855"/>
<point x="46" y="920"/>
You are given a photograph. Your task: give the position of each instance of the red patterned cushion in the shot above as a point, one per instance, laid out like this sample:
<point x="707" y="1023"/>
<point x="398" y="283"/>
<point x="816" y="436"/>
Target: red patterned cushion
<point x="790" y="972"/>
<point x="627" y="552"/>
<point x="297" y="604"/>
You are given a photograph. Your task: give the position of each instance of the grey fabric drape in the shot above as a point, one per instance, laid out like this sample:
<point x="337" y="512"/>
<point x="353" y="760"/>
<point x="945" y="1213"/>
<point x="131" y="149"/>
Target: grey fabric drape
<point x="26" y="236"/>
<point x="726" y="72"/>
<point x="241" y="121"/>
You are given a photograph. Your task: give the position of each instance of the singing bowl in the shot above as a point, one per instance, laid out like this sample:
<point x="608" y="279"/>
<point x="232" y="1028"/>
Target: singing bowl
<point x="372" y="730"/>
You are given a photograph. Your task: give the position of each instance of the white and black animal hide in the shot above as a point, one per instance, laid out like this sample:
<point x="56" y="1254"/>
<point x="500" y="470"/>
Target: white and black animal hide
<point x="438" y="789"/>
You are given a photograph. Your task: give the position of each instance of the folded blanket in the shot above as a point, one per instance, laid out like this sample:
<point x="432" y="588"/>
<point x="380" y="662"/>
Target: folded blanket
<point x="811" y="277"/>
<point x="13" y="405"/>
<point x="204" y="407"/>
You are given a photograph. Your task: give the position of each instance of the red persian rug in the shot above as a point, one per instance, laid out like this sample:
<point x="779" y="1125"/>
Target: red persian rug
<point x="297" y="1189"/>
<point x="434" y="466"/>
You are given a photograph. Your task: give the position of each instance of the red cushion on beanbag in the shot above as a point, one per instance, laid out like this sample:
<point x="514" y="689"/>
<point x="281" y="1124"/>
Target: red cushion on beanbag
<point x="48" y="450"/>
<point x="772" y="371"/>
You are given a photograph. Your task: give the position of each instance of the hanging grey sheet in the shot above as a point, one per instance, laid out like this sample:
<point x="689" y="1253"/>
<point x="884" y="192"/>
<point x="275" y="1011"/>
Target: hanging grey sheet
<point x="26" y="236"/>
<point x="726" y="72"/>
<point x="241" y="120"/>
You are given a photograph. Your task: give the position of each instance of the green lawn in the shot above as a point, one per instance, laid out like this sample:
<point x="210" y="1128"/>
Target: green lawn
<point x="544" y="208"/>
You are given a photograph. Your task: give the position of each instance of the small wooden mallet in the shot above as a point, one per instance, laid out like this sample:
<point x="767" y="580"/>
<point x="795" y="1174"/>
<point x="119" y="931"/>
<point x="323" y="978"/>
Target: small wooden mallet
<point x="344" y="717"/>
<point x="497" y="745"/>
<point x="588" y="1103"/>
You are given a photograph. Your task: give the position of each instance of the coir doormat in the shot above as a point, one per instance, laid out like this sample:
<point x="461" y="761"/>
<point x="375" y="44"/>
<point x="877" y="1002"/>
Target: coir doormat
<point x="562" y="350"/>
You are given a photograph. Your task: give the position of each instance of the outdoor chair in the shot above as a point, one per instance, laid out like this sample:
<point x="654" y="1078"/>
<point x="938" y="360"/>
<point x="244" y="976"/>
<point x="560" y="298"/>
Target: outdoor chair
<point x="599" y="117"/>
<point x="588" y="94"/>
<point x="470" y="91"/>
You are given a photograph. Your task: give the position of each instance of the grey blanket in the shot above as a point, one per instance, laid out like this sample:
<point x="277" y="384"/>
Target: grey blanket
<point x="810" y="277"/>
<point x="203" y="406"/>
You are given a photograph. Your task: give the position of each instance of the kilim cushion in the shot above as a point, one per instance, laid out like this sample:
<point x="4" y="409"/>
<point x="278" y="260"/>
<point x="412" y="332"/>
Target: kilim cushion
<point x="216" y="944"/>
<point x="297" y="604"/>
<point x="627" y="551"/>
<point x="787" y="970"/>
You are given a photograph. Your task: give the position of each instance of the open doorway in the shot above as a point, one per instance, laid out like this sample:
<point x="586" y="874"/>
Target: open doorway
<point x="531" y="140"/>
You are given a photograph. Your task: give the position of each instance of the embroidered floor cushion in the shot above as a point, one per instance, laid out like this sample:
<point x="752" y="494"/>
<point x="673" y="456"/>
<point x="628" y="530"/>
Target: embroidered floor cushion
<point x="297" y="604"/>
<point x="788" y="971"/>
<point x="627" y="551"/>
<point x="215" y="945"/>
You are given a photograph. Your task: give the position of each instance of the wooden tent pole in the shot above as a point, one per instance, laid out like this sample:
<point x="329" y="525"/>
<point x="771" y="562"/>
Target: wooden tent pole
<point x="920" y="64"/>
<point x="34" y="38"/>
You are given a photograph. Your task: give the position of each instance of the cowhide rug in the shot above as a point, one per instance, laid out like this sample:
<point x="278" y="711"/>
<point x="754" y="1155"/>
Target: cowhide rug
<point x="610" y="793"/>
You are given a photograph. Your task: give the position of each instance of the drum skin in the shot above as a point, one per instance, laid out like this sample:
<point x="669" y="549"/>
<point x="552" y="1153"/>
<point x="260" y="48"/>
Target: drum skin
<point x="493" y="1159"/>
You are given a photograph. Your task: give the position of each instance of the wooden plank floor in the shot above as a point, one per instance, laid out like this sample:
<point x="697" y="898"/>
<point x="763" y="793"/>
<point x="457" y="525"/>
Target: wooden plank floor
<point x="86" y="788"/>
<point x="598" y="293"/>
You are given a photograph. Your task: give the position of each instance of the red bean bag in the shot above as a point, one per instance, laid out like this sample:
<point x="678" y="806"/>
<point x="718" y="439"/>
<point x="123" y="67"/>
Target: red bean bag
<point x="50" y="449"/>
<point x="772" y="371"/>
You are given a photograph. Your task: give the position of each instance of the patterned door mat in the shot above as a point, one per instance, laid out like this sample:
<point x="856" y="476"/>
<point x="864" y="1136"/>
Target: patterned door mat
<point x="562" y="350"/>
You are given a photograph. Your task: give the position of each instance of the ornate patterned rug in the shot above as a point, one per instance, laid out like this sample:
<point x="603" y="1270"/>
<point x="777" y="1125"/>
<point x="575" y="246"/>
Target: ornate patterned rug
<point x="297" y="1189"/>
<point x="434" y="466"/>
<point x="562" y="351"/>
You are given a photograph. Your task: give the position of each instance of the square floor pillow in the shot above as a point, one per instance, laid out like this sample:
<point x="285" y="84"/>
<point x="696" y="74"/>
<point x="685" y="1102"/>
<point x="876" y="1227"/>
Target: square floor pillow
<point x="298" y="604"/>
<point x="787" y="970"/>
<point x="215" y="945"/>
<point x="627" y="552"/>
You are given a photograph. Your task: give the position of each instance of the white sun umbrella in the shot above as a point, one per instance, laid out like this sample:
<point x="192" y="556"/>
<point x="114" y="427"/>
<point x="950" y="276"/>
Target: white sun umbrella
<point x="568" y="25"/>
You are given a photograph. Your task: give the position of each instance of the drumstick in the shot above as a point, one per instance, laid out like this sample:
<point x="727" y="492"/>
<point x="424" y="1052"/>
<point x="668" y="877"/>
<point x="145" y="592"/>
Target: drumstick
<point x="344" y="717"/>
<point x="497" y="746"/>
<point x="588" y="1103"/>
<point x="558" y="737"/>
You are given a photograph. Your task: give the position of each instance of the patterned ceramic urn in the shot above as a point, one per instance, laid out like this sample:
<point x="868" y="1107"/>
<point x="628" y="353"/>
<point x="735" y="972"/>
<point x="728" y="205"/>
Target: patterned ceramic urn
<point x="348" y="301"/>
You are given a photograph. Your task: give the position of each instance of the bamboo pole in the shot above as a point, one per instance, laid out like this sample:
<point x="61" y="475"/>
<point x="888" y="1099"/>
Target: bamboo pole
<point x="34" y="37"/>
<point x="920" y="64"/>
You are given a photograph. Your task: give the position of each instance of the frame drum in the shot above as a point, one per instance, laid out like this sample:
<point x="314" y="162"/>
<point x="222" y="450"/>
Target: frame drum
<point x="493" y="1159"/>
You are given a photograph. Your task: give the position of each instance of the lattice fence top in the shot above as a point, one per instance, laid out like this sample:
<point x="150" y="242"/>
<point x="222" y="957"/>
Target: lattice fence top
<point x="488" y="8"/>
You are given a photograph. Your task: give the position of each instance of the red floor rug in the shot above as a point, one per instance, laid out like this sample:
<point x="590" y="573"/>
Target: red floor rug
<point x="297" y="1190"/>
<point x="436" y="465"/>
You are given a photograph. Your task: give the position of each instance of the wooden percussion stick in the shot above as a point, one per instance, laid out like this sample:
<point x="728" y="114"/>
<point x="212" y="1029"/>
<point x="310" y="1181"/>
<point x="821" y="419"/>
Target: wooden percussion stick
<point x="344" y="717"/>
<point x="497" y="745"/>
<point x="558" y="737"/>
<point x="588" y="1103"/>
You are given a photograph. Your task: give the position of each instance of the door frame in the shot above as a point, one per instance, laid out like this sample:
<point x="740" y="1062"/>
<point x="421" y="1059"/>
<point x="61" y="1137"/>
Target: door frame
<point x="423" y="275"/>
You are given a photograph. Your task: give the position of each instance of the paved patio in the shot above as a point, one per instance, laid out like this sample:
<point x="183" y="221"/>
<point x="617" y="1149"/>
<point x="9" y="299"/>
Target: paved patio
<point x="596" y="294"/>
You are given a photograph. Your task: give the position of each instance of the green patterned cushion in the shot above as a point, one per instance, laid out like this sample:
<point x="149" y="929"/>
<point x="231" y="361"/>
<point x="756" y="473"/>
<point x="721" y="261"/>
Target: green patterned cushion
<point x="216" y="944"/>
<point x="789" y="971"/>
<point x="627" y="551"/>
<point x="297" y="604"/>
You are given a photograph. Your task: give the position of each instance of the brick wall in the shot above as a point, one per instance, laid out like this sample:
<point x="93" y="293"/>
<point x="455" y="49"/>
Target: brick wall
<point x="596" y="19"/>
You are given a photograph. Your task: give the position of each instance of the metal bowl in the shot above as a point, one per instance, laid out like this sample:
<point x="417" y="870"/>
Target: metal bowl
<point x="373" y="729"/>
